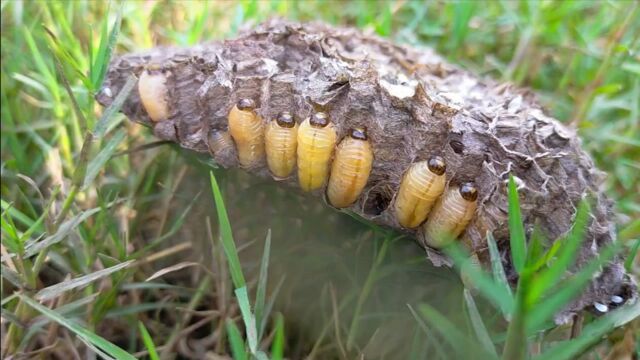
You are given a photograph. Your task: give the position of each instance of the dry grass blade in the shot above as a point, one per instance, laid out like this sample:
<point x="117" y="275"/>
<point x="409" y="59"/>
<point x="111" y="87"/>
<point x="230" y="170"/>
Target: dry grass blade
<point x="12" y="276"/>
<point x="97" y="343"/>
<point x="170" y="269"/>
<point x="64" y="230"/>
<point x="66" y="310"/>
<point x="144" y="147"/>
<point x="56" y="290"/>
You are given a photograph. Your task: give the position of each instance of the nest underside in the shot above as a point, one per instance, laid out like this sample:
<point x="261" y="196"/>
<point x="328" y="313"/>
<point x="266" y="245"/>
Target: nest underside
<point x="414" y="105"/>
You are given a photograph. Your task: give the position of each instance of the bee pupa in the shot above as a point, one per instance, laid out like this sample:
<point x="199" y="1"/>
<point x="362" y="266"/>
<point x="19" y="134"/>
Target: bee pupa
<point x="350" y="169"/>
<point x="421" y="186"/>
<point x="281" y="142"/>
<point x="246" y="129"/>
<point x="316" y="141"/>
<point x="152" y="88"/>
<point x="451" y="215"/>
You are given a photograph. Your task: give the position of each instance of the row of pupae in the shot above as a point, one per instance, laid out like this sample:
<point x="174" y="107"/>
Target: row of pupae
<point x="422" y="198"/>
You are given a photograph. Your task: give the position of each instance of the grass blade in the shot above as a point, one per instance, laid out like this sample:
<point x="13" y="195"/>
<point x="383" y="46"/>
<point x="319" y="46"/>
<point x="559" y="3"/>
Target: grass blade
<point x="172" y="268"/>
<point x="269" y="304"/>
<point x="10" y="237"/>
<point x="262" y="285"/>
<point x="516" y="229"/>
<point x="367" y="288"/>
<point x="227" y="236"/>
<point x="148" y="342"/>
<point x="235" y="340"/>
<point x="97" y="163"/>
<point x="106" y="119"/>
<point x="65" y="81"/>
<point x="425" y="329"/>
<point x="277" y="346"/>
<point x="478" y="325"/>
<point x="566" y="255"/>
<point x="73" y="308"/>
<point x="496" y="264"/>
<point x="82" y="333"/>
<point x="490" y="289"/>
<point x="16" y="214"/>
<point x="105" y="50"/>
<point x="451" y="334"/>
<point x="516" y="344"/>
<point x="63" y="231"/>
<point x="248" y="318"/>
<point x="54" y="291"/>
<point x="635" y="249"/>
<point x="592" y="333"/>
<point x="42" y="66"/>
<point x="12" y="277"/>
<point x="544" y="310"/>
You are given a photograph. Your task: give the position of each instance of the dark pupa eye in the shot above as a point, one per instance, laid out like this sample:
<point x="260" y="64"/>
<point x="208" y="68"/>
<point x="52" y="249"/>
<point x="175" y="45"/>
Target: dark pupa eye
<point x="285" y="120"/>
<point x="359" y="134"/>
<point x="319" y="120"/>
<point x="437" y="165"/>
<point x="246" y="104"/>
<point x="468" y="191"/>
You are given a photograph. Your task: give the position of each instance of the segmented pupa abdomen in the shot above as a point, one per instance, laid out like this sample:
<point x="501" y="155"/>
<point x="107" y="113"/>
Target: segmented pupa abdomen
<point x="281" y="145"/>
<point x="221" y="146"/>
<point x="451" y="214"/>
<point x="350" y="169"/>
<point x="419" y="189"/>
<point x="246" y="129"/>
<point x="316" y="141"/>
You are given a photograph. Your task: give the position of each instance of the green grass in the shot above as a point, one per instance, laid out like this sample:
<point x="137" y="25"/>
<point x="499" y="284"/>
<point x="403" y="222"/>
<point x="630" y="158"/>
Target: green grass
<point x="84" y="228"/>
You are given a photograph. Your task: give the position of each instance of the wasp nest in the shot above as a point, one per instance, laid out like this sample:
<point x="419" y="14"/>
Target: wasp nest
<point x="393" y="133"/>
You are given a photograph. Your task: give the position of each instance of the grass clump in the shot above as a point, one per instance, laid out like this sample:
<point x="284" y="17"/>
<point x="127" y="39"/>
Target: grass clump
<point x="542" y="291"/>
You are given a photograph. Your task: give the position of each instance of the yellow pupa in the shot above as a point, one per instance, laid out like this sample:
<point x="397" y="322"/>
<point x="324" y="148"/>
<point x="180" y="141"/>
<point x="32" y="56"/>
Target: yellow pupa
<point x="246" y="129"/>
<point x="451" y="214"/>
<point x="281" y="143"/>
<point x="350" y="169"/>
<point x="421" y="186"/>
<point x="316" y="142"/>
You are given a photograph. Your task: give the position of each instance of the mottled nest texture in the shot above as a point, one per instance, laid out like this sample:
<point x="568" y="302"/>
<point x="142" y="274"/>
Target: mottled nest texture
<point x="414" y="105"/>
